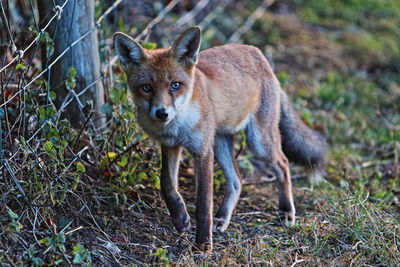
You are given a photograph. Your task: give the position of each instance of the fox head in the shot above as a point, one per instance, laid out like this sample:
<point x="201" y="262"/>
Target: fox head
<point x="161" y="80"/>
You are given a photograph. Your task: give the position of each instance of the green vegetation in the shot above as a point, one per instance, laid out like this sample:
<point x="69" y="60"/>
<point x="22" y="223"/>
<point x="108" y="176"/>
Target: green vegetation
<point x="80" y="197"/>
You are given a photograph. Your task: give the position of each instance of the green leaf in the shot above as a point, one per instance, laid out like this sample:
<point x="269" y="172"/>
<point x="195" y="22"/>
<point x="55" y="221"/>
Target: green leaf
<point x="107" y="158"/>
<point x="63" y="194"/>
<point x="106" y="109"/>
<point x="160" y="252"/>
<point x="71" y="82"/>
<point x="81" y="254"/>
<point x="53" y="133"/>
<point x="52" y="195"/>
<point x="20" y="66"/>
<point x="31" y="251"/>
<point x="156" y="182"/>
<point x="52" y="95"/>
<point x="76" y="182"/>
<point x="45" y="241"/>
<point x="48" y="146"/>
<point x="123" y="162"/>
<point x="63" y="222"/>
<point x="12" y="214"/>
<point x="57" y="262"/>
<point x="80" y="167"/>
<point x="131" y="179"/>
<point x="37" y="261"/>
<point x="61" y="237"/>
<point x="72" y="73"/>
<point x="142" y="176"/>
<point x="78" y="258"/>
<point x="150" y="46"/>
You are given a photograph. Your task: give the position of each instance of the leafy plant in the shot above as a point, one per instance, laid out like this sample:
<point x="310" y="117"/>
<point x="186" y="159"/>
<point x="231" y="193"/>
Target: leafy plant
<point x="81" y="255"/>
<point x="14" y="226"/>
<point x="32" y="253"/>
<point x="161" y="254"/>
<point x="56" y="241"/>
<point x="123" y="159"/>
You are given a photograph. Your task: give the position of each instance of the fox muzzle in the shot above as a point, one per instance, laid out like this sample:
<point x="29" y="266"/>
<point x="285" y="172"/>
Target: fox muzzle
<point x="162" y="114"/>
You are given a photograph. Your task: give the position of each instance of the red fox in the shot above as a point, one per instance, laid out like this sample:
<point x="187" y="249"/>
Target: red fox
<point x="198" y="100"/>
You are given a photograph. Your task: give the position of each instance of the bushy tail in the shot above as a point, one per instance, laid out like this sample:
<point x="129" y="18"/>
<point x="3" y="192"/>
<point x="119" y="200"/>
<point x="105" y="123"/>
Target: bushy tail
<point x="299" y="143"/>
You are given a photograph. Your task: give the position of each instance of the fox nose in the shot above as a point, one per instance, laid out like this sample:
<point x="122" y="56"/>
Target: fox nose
<point x="161" y="114"/>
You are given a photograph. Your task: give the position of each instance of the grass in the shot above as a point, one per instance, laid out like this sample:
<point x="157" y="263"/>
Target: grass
<point x="104" y="207"/>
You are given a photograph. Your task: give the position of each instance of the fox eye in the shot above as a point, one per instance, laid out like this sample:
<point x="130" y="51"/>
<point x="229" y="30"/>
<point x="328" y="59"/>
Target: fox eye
<point x="146" y="88"/>
<point x="175" y="86"/>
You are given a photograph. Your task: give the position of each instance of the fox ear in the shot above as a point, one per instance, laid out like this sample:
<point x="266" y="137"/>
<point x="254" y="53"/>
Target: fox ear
<point x="186" y="48"/>
<point x="128" y="50"/>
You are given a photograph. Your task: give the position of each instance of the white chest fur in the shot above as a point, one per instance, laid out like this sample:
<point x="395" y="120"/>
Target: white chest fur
<point x="181" y="130"/>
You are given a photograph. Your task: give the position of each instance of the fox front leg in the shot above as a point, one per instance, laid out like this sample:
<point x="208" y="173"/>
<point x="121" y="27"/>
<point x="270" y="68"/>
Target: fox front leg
<point x="204" y="166"/>
<point x="169" y="188"/>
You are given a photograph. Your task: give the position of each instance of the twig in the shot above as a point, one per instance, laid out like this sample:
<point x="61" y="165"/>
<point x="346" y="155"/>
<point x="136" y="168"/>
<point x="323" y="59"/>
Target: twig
<point x="296" y="261"/>
<point x="250" y="20"/>
<point x="211" y="16"/>
<point x="19" y="187"/>
<point x="4" y="18"/>
<point x="81" y="131"/>
<point x="157" y="19"/>
<point x="151" y="24"/>
<point x="249" y="213"/>
<point x="10" y="260"/>
<point x="77" y="156"/>
<point x="193" y="13"/>
<point x="74" y="230"/>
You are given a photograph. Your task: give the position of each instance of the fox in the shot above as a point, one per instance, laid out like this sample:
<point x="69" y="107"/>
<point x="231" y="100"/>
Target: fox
<point x="198" y="101"/>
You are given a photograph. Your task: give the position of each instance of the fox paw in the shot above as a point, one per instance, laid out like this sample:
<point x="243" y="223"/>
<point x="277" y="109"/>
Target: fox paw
<point x="220" y="224"/>
<point x="288" y="217"/>
<point x="182" y="222"/>
<point x="203" y="248"/>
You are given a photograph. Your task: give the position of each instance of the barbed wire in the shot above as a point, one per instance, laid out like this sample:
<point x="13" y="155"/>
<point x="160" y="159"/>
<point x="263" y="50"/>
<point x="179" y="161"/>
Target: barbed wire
<point x="68" y="99"/>
<point x="48" y="68"/>
<point x="72" y="94"/>
<point x="108" y="11"/>
<point x="146" y="30"/>
<point x="12" y="164"/>
<point x="21" y="53"/>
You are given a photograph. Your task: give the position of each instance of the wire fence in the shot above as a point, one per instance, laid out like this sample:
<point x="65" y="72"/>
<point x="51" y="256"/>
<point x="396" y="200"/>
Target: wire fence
<point x="23" y="134"/>
<point x="72" y="95"/>
<point x="25" y="94"/>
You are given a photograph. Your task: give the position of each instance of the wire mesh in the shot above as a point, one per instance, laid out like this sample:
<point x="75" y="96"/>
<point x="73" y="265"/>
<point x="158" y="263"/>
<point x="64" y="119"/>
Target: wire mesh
<point x="25" y="135"/>
<point x="35" y="140"/>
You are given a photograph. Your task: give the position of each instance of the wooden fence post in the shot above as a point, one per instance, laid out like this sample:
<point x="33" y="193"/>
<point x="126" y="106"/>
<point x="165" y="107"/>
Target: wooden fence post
<point x="76" y="19"/>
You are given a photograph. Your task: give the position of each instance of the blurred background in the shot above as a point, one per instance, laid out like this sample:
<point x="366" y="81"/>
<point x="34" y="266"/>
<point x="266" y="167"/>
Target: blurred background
<point x="80" y="179"/>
